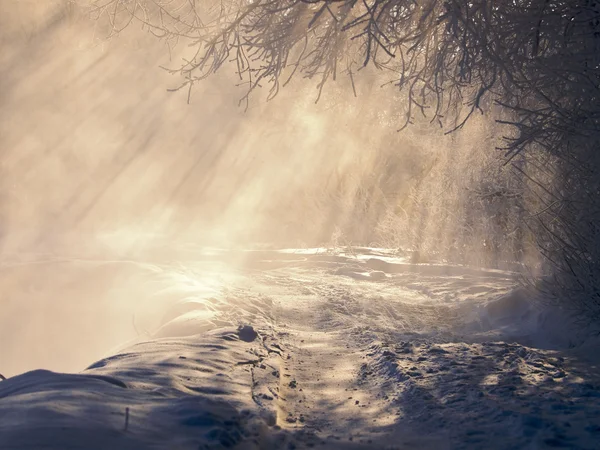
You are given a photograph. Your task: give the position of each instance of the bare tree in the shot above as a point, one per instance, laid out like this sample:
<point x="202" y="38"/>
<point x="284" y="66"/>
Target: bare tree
<point x="535" y="64"/>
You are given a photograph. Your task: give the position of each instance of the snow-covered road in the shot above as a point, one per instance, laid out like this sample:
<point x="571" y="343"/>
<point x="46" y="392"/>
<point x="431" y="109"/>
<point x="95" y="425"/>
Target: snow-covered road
<point x="294" y="349"/>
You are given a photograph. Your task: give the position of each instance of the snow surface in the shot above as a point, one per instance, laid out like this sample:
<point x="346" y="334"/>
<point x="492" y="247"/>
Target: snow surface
<point x="288" y="349"/>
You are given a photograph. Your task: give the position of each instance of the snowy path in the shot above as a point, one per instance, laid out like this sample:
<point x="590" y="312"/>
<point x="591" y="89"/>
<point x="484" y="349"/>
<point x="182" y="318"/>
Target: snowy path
<point x="360" y="351"/>
<point x="399" y="364"/>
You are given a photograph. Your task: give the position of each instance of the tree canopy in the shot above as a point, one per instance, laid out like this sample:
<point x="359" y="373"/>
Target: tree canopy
<point x="535" y="64"/>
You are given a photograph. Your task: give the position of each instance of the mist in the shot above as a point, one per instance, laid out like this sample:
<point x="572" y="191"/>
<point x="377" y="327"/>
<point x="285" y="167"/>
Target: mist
<point x="102" y="164"/>
<point x="290" y="224"/>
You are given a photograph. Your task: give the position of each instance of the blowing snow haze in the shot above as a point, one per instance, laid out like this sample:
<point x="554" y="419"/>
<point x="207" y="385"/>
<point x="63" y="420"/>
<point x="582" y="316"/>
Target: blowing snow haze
<point x="98" y="159"/>
<point x="266" y="272"/>
<point x="93" y="143"/>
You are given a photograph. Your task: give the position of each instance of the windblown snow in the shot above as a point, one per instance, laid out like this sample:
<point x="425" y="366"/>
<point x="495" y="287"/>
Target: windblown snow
<point x="287" y="349"/>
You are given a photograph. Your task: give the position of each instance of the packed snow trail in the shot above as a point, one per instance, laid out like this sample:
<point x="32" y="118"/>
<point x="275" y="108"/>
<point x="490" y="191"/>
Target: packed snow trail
<point x="305" y="349"/>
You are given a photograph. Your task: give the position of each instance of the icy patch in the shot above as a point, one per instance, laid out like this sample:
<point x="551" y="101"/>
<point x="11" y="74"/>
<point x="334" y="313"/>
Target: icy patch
<point x="304" y="251"/>
<point x="355" y="273"/>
